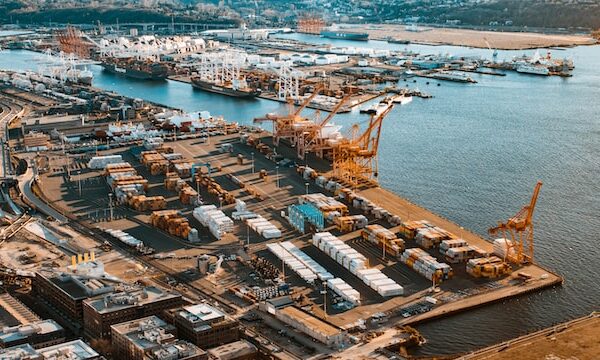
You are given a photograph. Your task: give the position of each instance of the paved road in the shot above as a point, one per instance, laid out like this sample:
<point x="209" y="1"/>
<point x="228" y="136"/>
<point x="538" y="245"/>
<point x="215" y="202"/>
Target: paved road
<point x="10" y="111"/>
<point x="25" y="182"/>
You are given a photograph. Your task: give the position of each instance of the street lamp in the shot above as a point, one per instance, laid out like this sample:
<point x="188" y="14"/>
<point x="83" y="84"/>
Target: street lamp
<point x="110" y="205"/>
<point x="306" y="185"/>
<point x="252" y="153"/>
<point x="277" y="170"/>
<point x="79" y="181"/>
<point x="220" y="202"/>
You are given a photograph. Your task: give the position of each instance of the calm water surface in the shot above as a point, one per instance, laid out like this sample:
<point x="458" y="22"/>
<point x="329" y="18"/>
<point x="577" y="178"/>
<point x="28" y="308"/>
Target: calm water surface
<point x="473" y="154"/>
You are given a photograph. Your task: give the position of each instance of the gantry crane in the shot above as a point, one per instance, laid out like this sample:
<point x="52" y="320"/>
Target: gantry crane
<point x="519" y="230"/>
<point x="283" y="125"/>
<point x="355" y="159"/>
<point x="310" y="137"/>
<point x="73" y="41"/>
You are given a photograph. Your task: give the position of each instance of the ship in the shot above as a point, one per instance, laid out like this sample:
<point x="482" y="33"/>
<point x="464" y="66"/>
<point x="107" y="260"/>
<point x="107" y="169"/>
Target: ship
<point x="136" y="69"/>
<point x="236" y="88"/>
<point x="533" y="69"/>
<point x="402" y="99"/>
<point x="345" y="35"/>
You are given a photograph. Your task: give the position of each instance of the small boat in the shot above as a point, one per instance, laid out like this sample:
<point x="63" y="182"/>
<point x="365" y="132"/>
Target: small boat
<point x="402" y="99"/>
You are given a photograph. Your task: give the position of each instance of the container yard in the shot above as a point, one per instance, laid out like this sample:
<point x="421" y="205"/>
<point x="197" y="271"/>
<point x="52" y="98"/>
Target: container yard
<point x="291" y="220"/>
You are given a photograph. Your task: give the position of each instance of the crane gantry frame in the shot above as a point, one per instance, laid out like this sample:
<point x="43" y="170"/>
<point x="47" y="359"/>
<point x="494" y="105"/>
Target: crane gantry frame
<point x="355" y="160"/>
<point x="519" y="230"/>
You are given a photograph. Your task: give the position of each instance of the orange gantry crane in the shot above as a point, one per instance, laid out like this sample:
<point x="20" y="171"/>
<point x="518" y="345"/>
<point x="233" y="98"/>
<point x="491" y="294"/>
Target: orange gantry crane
<point x="355" y="160"/>
<point x="310" y="137"/>
<point x="310" y="24"/>
<point x="519" y="230"/>
<point x="72" y="41"/>
<point x="283" y="125"/>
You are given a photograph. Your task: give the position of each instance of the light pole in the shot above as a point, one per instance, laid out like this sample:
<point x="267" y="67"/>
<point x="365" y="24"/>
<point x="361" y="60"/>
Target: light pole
<point x="247" y="234"/>
<point x="110" y="205"/>
<point x="252" y="153"/>
<point x="277" y="170"/>
<point x="306" y="185"/>
<point x="79" y="181"/>
<point x="220" y="202"/>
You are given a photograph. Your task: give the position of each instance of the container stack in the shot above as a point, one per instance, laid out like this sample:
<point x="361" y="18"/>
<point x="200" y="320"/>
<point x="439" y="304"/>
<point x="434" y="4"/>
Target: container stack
<point x="147" y="203"/>
<point x="488" y="267"/>
<point x="182" y="167"/>
<point x="292" y="262"/>
<point x="100" y="162"/>
<point x="217" y="222"/>
<point x="380" y="282"/>
<point x="263" y="227"/>
<point x="430" y="237"/>
<point x="171" y="181"/>
<point x="153" y="143"/>
<point x="426" y="265"/>
<point x="367" y="206"/>
<point x="458" y="250"/>
<point x="409" y="228"/>
<point x="187" y="195"/>
<point x="356" y="264"/>
<point x="125" y="238"/>
<point x="172" y="222"/>
<point x="310" y="264"/>
<point x="130" y="188"/>
<point x="325" y="204"/>
<point x="384" y="239"/>
<point x="345" y="291"/>
<point x="241" y="212"/>
<point x="342" y="253"/>
<point x="350" y="223"/>
<point x="504" y="248"/>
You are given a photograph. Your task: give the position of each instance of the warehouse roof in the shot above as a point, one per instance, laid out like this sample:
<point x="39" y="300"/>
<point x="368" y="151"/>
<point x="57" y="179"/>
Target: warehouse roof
<point x="310" y="321"/>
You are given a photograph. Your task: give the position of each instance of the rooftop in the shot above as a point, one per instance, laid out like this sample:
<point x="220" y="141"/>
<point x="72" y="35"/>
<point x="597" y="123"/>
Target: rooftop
<point x="19" y="352"/>
<point x="146" y="333"/>
<point x="15" y="333"/>
<point x="179" y="349"/>
<point x="232" y="350"/>
<point x="125" y="299"/>
<point x="79" y="288"/>
<point x="14" y="313"/>
<point x="310" y="321"/>
<point x="202" y="313"/>
<point x="73" y="350"/>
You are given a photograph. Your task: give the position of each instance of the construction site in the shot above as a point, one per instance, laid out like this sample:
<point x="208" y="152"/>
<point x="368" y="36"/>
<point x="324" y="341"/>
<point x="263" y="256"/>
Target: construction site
<point x="279" y="229"/>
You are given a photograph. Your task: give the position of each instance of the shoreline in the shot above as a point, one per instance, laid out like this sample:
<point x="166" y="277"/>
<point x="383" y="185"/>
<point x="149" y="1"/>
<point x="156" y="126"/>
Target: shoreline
<point x="473" y="38"/>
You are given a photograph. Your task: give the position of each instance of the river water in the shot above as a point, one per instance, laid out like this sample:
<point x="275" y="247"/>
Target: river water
<point x="473" y="154"/>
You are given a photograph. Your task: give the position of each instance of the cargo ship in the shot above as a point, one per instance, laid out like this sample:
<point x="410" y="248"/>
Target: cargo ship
<point x="345" y="35"/>
<point x="533" y="69"/>
<point x="137" y="69"/>
<point x="236" y="88"/>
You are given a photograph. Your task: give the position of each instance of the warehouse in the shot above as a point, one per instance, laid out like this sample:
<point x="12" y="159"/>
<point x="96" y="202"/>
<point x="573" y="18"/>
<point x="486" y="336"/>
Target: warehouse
<point x="310" y="325"/>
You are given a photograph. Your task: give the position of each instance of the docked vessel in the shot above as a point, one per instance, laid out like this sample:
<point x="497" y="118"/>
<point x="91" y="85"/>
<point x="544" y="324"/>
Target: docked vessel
<point x="345" y="35"/>
<point x="533" y="69"/>
<point x="137" y="69"/>
<point x="402" y="99"/>
<point x="236" y="88"/>
<point x="453" y="76"/>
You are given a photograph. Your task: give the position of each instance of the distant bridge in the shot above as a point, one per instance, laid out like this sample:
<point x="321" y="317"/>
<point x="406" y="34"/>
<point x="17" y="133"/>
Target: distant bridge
<point x="171" y="26"/>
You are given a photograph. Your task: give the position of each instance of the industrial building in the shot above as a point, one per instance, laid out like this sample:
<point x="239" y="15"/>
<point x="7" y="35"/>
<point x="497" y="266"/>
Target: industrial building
<point x="239" y="350"/>
<point x="205" y="326"/>
<point x="73" y="350"/>
<point x="19" y="325"/>
<point x="24" y="352"/>
<point x="310" y="325"/>
<point x="132" y="339"/>
<point x="151" y="338"/>
<point x="38" y="334"/>
<point x="64" y="294"/>
<point x="101" y="312"/>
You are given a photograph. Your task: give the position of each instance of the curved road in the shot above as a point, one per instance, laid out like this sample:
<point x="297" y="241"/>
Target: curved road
<point x="25" y="182"/>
